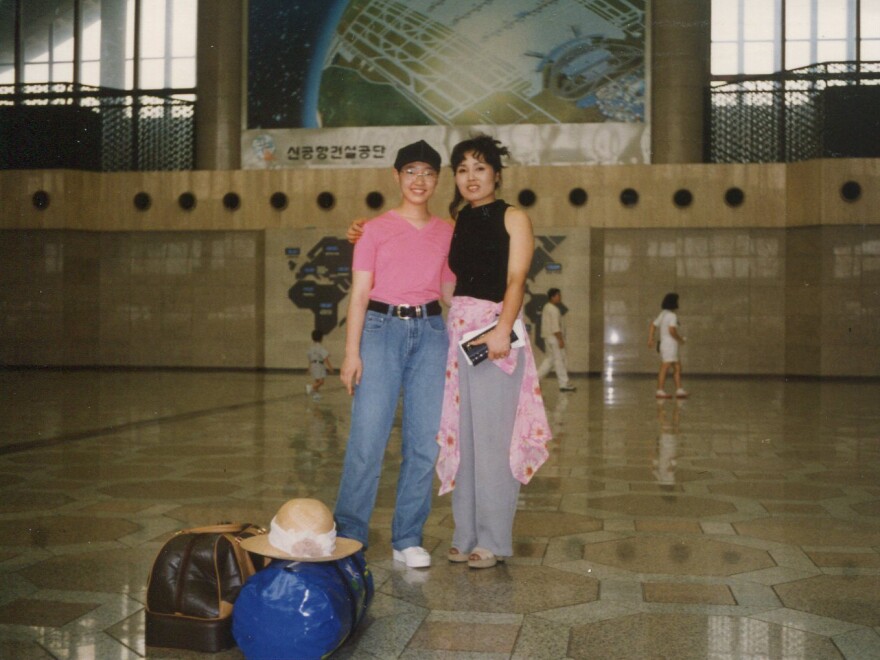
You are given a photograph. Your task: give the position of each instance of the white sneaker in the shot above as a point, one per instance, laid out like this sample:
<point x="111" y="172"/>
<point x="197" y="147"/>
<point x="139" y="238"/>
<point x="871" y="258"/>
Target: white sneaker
<point x="414" y="557"/>
<point x="308" y="389"/>
<point x="680" y="393"/>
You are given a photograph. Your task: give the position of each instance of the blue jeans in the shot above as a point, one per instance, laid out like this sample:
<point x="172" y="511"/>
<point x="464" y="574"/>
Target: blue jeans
<point x="399" y="355"/>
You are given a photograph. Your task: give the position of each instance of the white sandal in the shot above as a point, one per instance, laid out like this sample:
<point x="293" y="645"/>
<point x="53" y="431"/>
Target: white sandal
<point x="484" y="558"/>
<point x="456" y="556"/>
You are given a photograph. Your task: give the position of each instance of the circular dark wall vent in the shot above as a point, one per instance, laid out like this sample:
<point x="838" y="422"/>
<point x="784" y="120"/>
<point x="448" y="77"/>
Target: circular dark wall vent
<point x="734" y="197"/>
<point x="851" y="191"/>
<point x="40" y="200"/>
<point x="231" y="201"/>
<point x="375" y="200"/>
<point x="527" y="198"/>
<point x="326" y="200"/>
<point x="683" y="198"/>
<point x="577" y="197"/>
<point x="186" y="201"/>
<point x="629" y="197"/>
<point x="142" y="201"/>
<point x="278" y="201"/>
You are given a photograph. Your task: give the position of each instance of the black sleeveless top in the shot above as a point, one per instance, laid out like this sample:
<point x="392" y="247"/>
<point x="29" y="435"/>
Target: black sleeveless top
<point x="479" y="252"/>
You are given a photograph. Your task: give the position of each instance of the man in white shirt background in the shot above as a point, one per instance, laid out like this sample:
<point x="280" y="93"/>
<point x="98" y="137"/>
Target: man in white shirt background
<point x="553" y="334"/>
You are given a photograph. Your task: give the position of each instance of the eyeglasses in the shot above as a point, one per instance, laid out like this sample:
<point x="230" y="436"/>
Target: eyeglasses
<point x="429" y="175"/>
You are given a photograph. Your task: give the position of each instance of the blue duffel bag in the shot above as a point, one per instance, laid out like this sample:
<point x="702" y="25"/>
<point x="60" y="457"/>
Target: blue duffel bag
<point x="301" y="610"/>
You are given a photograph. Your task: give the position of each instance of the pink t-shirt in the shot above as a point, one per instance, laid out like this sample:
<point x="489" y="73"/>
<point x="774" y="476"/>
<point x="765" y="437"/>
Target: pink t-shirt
<point x="408" y="264"/>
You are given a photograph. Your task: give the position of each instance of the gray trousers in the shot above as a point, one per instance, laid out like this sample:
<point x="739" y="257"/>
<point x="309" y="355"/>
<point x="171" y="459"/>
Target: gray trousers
<point x="485" y="494"/>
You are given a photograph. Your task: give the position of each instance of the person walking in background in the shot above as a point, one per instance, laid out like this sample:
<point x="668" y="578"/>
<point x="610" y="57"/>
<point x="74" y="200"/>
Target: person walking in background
<point x="319" y="364"/>
<point x="494" y="427"/>
<point x="553" y="334"/>
<point x="666" y="326"/>
<point x="396" y="343"/>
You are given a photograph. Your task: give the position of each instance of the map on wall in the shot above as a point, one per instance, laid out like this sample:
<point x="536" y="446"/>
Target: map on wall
<point x="323" y="281"/>
<point x="327" y="79"/>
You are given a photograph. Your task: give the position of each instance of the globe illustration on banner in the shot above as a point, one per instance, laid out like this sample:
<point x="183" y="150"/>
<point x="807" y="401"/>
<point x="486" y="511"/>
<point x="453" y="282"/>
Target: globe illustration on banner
<point x="348" y="63"/>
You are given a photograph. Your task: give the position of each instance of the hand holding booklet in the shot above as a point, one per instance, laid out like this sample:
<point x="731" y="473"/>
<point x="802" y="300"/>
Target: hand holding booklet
<point x="475" y="352"/>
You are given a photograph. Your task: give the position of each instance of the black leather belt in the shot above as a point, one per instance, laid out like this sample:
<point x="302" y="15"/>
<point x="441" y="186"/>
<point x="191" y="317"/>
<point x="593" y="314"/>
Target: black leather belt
<point x="406" y="311"/>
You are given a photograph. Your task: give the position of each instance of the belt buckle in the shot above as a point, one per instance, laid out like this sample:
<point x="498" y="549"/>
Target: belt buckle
<point x="408" y="311"/>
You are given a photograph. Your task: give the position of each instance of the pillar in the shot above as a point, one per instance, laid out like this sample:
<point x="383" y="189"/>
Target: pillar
<point x="219" y="73"/>
<point x="680" y="49"/>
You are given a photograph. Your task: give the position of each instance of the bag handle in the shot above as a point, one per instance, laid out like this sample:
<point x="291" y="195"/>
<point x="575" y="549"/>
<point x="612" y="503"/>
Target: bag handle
<point x="232" y="531"/>
<point x="244" y="557"/>
<point x="219" y="528"/>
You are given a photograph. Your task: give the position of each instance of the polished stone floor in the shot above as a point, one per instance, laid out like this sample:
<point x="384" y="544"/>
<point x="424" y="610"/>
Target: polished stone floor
<point x="743" y="522"/>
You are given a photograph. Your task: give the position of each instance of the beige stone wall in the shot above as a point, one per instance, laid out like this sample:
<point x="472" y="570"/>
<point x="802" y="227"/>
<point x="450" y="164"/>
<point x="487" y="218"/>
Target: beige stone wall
<point x="786" y="283"/>
<point x="849" y="295"/>
<point x="731" y="297"/>
<point x="180" y="299"/>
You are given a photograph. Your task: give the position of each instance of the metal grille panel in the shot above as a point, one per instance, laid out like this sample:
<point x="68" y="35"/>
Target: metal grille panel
<point x="140" y="131"/>
<point x="778" y="118"/>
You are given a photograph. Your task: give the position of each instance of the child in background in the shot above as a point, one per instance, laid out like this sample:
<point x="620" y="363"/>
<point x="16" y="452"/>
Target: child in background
<point x="319" y="364"/>
<point x="666" y="326"/>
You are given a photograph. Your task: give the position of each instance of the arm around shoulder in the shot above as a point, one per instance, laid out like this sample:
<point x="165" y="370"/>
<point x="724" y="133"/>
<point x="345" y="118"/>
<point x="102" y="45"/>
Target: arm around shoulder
<point x="355" y="230"/>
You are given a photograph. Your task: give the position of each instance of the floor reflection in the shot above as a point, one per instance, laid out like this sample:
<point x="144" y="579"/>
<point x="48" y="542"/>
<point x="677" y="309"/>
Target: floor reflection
<point x="664" y="461"/>
<point x="742" y="523"/>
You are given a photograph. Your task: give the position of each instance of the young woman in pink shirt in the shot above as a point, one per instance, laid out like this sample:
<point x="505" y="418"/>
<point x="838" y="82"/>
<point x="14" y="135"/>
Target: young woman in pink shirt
<point x="395" y="343"/>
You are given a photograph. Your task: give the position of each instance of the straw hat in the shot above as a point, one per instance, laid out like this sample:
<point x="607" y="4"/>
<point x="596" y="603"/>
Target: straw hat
<point x="302" y="530"/>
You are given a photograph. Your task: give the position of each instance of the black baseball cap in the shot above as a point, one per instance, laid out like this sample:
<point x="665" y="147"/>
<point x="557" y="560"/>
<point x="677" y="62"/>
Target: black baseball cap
<point x="417" y="152"/>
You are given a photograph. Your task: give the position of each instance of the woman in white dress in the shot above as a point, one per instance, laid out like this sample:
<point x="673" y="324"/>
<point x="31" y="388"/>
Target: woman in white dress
<point x="664" y="331"/>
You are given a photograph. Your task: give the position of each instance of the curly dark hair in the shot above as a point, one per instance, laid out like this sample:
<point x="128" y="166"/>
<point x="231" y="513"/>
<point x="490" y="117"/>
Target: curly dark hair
<point x="484" y="147"/>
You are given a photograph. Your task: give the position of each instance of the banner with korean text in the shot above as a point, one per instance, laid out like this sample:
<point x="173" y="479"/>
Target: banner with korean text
<point x="346" y="82"/>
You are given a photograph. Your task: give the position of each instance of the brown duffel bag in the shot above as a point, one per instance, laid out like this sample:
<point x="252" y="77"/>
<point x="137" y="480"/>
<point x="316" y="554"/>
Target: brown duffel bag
<point x="193" y="584"/>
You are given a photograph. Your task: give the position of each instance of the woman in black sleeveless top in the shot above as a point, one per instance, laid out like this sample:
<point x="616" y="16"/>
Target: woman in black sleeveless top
<point x="493" y="429"/>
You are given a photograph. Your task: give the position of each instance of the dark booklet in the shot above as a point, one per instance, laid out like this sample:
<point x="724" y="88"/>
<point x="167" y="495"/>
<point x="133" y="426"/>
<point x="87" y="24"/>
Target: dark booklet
<point x="475" y="352"/>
